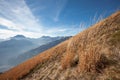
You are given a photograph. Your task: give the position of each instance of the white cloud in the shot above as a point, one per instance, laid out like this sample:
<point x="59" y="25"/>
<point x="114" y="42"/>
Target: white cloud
<point x="9" y="24"/>
<point x="18" y="18"/>
<point x="16" y="15"/>
<point x="51" y="8"/>
<point x="64" y="30"/>
<point x="59" y="6"/>
<point x="54" y="30"/>
<point x="9" y="33"/>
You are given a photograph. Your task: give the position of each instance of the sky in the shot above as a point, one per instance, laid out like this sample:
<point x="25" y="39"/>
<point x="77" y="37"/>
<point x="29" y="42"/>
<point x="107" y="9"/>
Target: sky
<point x="36" y="18"/>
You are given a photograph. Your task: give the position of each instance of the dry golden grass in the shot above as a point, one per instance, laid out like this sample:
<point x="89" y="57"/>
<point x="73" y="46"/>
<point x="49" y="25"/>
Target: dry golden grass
<point x="88" y="59"/>
<point x="89" y="51"/>
<point x="88" y="44"/>
<point x="67" y="59"/>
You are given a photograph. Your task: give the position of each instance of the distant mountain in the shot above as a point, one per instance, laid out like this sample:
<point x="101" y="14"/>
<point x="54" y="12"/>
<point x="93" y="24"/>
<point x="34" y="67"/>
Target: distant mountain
<point x="19" y="44"/>
<point x="37" y="41"/>
<point x="44" y="40"/>
<point x="12" y="48"/>
<point x="1" y="40"/>
<point x="19" y="37"/>
<point x="15" y="45"/>
<point x="33" y="52"/>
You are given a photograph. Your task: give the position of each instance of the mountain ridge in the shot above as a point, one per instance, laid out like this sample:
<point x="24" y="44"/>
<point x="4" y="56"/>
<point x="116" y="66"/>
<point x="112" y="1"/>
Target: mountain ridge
<point x="33" y="52"/>
<point x="12" y="48"/>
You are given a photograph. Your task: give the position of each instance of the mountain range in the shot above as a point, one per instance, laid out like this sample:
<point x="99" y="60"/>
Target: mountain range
<point x="33" y="52"/>
<point x="18" y="45"/>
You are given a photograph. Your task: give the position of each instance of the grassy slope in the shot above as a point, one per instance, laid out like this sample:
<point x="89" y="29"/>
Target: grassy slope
<point x="92" y="54"/>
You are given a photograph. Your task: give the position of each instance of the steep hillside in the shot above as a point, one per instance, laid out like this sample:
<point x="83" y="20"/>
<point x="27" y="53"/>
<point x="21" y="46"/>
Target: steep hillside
<point x="93" y="54"/>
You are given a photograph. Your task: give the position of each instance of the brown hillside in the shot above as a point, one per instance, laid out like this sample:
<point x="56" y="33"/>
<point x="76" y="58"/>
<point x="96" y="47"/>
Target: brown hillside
<point x="93" y="54"/>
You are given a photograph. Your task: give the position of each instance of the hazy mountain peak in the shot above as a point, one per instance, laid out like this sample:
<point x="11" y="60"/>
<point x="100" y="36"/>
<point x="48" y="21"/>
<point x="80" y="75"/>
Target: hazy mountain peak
<point x="45" y="37"/>
<point x="18" y="37"/>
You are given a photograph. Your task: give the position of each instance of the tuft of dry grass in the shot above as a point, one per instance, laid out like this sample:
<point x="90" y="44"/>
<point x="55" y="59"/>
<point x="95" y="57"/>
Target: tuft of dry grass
<point x="88" y="59"/>
<point x="67" y="59"/>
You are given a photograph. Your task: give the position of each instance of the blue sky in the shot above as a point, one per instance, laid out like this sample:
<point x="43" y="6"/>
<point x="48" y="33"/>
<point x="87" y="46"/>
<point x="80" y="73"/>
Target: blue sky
<point x="35" y="18"/>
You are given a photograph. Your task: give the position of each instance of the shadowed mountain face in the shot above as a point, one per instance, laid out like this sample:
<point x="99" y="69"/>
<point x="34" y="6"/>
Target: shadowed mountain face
<point x="1" y="40"/>
<point x="12" y="48"/>
<point x="17" y="45"/>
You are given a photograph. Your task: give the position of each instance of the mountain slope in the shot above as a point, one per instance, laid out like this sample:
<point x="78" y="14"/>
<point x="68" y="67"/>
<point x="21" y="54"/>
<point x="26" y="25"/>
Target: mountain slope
<point x="8" y="48"/>
<point x="12" y="48"/>
<point x="17" y="45"/>
<point x="91" y="55"/>
<point x="29" y="54"/>
<point x="44" y="40"/>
